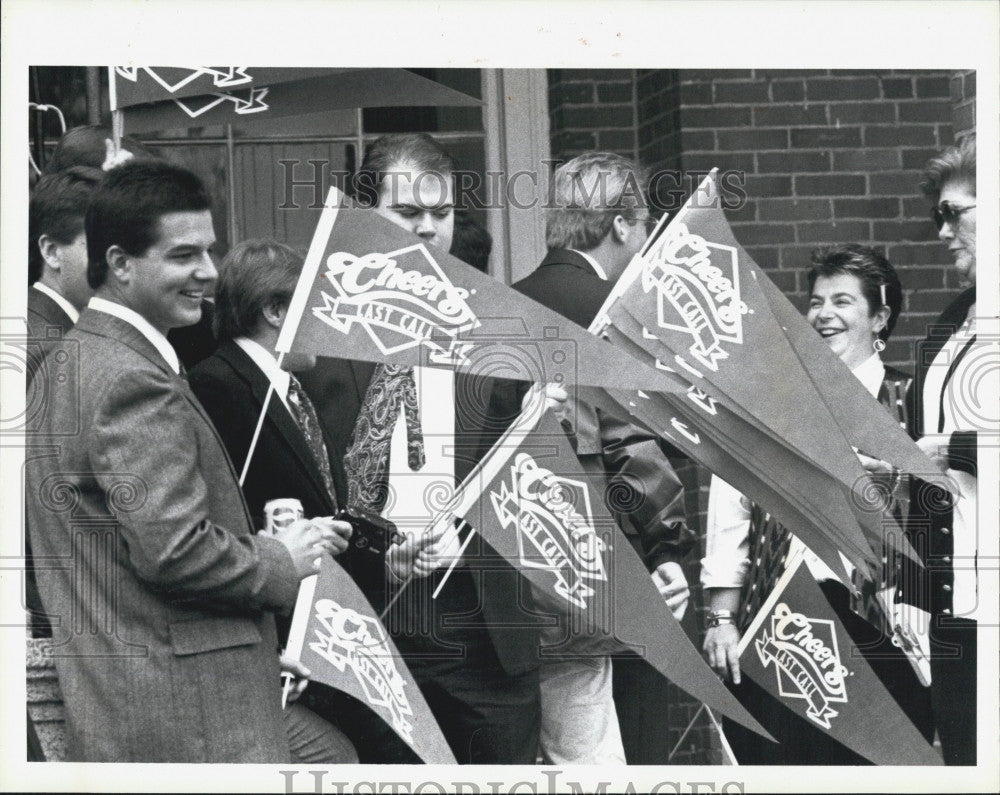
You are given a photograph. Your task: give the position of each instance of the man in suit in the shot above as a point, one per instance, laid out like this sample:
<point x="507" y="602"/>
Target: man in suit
<point x="57" y="291"/>
<point x="57" y="258"/>
<point x="167" y="649"/>
<point x="474" y="651"/>
<point x="288" y="461"/>
<point x="595" y="225"/>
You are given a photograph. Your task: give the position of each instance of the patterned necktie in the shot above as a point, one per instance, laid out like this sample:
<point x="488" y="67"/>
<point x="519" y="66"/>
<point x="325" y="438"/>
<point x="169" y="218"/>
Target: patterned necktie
<point x="367" y="460"/>
<point x="305" y="416"/>
<point x="769" y="544"/>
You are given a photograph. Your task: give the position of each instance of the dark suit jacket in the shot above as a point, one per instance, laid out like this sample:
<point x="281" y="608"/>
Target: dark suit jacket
<point x="962" y="447"/>
<point x="493" y="604"/>
<point x="929" y="523"/>
<point x="47" y="325"/>
<point x="232" y="389"/>
<point x="631" y="457"/>
<point x="168" y="649"/>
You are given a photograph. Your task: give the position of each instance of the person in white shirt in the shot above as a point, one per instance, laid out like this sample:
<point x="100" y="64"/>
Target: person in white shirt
<point x="953" y="396"/>
<point x="855" y="299"/>
<point x="167" y="644"/>
<point x="57" y="257"/>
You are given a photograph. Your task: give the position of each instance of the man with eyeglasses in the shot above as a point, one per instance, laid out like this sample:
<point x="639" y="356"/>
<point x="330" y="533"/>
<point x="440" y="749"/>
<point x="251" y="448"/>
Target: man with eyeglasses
<point x="596" y="224"/>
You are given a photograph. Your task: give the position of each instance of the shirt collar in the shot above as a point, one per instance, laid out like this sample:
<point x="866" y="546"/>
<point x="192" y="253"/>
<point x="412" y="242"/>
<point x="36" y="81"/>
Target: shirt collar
<point x="265" y="360"/>
<point x="64" y="305"/>
<point x="871" y="373"/>
<point x="593" y="263"/>
<point x="143" y="326"/>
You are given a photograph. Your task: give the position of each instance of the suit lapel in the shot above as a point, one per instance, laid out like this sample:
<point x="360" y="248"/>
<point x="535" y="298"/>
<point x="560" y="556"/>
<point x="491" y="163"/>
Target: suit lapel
<point x="104" y="325"/>
<point x="278" y="416"/>
<point x="48" y="310"/>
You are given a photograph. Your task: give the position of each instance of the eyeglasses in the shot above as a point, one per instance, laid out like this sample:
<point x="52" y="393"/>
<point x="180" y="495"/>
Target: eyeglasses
<point x="946" y="212"/>
<point x="650" y="222"/>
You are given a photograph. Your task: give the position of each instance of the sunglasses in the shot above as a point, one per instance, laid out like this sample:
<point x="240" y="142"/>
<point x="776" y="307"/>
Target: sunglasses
<point x="947" y="213"/>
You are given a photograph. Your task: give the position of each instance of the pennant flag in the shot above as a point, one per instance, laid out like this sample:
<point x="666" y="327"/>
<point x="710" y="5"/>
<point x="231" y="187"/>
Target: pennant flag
<point x="798" y="650"/>
<point x="160" y="98"/>
<point x="692" y="300"/>
<point x="336" y="634"/>
<point x="810" y="503"/>
<point x="875" y="433"/>
<point x="691" y="289"/>
<point x="373" y="291"/>
<point x="532" y="502"/>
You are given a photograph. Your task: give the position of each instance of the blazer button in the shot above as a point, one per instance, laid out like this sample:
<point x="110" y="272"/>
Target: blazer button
<point x="946" y="588"/>
<point x="945" y="530"/>
<point x="947" y="611"/>
<point x="946" y="559"/>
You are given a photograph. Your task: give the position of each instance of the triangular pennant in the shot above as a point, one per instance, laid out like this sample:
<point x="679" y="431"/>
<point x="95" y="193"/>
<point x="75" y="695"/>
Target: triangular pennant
<point x="372" y="291"/>
<point x="875" y="433"/>
<point x="798" y="650"/>
<point x="692" y="289"/>
<point x="338" y="637"/>
<point x="531" y="502"/>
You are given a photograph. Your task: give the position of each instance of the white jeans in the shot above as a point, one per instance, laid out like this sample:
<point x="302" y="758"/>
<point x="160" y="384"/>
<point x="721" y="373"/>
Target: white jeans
<point x="579" y="721"/>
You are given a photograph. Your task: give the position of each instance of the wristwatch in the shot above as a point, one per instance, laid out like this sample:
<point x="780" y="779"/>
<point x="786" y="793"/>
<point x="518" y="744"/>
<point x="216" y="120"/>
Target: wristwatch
<point x="719" y="617"/>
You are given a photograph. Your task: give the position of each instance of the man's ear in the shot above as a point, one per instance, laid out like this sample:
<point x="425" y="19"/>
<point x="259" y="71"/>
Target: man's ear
<point x="620" y="229"/>
<point x="120" y="264"/>
<point x="49" y="251"/>
<point x="274" y="312"/>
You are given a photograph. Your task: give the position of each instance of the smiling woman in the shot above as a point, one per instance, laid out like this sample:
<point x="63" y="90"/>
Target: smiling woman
<point x="855" y="298"/>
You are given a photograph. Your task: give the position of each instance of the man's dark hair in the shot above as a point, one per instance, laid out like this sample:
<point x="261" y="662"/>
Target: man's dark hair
<point x="254" y="274"/>
<point x="84" y="146"/>
<point x="126" y="208"/>
<point x="871" y="269"/>
<point x="416" y="152"/>
<point x="57" y="208"/>
<point x="471" y="243"/>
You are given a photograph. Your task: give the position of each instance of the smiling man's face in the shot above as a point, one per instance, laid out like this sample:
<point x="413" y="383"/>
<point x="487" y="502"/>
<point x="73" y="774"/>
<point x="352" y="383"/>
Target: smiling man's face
<point x="168" y="282"/>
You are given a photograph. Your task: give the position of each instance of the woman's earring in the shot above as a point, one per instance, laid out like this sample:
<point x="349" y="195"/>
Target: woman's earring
<point x="878" y="344"/>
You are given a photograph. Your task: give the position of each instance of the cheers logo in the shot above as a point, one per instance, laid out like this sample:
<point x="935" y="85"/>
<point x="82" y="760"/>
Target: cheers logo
<point x="807" y="662"/>
<point x="698" y="291"/>
<point x="402" y="299"/>
<point x="555" y="527"/>
<point x="356" y="641"/>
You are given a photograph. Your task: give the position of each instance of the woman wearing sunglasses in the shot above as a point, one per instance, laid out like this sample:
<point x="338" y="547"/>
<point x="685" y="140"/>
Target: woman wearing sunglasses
<point x="953" y="393"/>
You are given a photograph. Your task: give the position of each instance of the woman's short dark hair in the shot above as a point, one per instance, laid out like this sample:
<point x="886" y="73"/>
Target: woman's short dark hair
<point x="57" y="208"/>
<point x="870" y="267"/>
<point x="126" y="208"/>
<point x="416" y="152"/>
<point x="955" y="164"/>
<point x="254" y="274"/>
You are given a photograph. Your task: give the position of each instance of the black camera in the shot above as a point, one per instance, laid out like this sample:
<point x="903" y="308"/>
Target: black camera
<point x="371" y="531"/>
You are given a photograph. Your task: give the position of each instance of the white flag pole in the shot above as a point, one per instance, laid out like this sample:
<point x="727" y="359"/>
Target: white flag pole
<point x="471" y="489"/>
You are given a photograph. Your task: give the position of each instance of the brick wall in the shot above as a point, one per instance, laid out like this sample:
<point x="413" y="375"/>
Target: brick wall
<point x="592" y="109"/>
<point x="963" y="95"/>
<point x="828" y="157"/>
